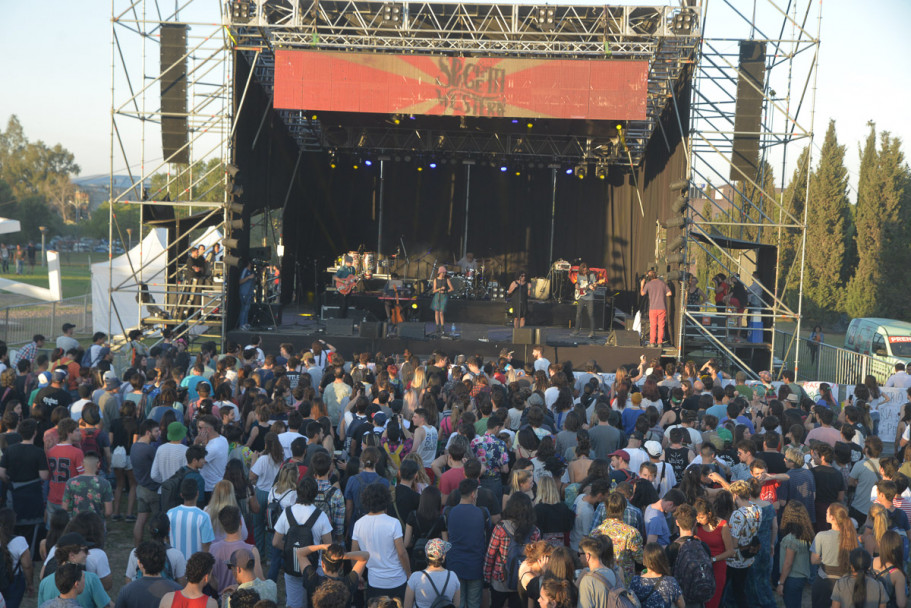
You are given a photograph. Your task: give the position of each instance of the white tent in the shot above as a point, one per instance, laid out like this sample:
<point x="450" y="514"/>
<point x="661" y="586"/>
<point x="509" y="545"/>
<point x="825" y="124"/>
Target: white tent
<point x="125" y="276"/>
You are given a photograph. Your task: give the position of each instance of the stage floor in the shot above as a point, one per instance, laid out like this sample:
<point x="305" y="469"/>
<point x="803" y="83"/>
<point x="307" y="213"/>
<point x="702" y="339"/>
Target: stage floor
<point x="301" y="326"/>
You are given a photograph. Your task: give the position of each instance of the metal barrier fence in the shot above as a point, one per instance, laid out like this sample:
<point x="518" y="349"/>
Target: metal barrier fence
<point x="23" y="321"/>
<point x="827" y="363"/>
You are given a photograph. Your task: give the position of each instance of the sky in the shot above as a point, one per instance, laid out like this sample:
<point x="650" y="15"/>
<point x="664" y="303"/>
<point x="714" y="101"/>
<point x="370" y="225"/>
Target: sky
<point x="56" y="72"/>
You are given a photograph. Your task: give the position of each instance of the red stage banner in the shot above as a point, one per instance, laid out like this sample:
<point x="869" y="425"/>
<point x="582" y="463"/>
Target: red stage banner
<point x="461" y="86"/>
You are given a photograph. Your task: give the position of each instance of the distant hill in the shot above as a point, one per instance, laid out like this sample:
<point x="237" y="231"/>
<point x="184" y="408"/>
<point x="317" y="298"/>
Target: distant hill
<point x="96" y="186"/>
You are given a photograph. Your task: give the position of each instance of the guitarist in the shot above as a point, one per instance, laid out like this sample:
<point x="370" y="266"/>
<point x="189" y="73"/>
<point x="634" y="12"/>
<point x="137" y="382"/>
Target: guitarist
<point x="343" y="277"/>
<point x="585" y="298"/>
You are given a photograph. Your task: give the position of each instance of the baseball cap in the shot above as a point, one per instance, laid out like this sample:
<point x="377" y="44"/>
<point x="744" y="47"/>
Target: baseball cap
<point x="653" y="448"/>
<point x="176" y="431"/>
<point x="794" y="398"/>
<point x="379" y="418"/>
<point x="44" y="378"/>
<point x="68" y="326"/>
<point x="72" y="538"/>
<point x="110" y="377"/>
<point x="725" y="436"/>
<point x="623" y="454"/>
<point x="535" y="399"/>
<point x="58" y="376"/>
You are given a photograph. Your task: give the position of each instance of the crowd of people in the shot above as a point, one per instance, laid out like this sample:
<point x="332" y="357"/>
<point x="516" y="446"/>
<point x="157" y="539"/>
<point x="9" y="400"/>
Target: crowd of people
<point x="308" y="478"/>
<point x="15" y="257"/>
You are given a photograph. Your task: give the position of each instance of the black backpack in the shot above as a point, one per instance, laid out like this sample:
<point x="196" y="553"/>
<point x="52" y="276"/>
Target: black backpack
<point x="170" y="490"/>
<point x="515" y="555"/>
<point x="274" y="511"/>
<point x="299" y="535"/>
<point x="7" y="569"/>
<point x="693" y="570"/>
<point x="440" y="601"/>
<point x="418" y="552"/>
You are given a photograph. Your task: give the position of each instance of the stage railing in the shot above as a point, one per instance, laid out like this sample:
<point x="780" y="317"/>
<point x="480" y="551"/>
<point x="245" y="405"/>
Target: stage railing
<point x="827" y="363"/>
<point x="22" y="321"/>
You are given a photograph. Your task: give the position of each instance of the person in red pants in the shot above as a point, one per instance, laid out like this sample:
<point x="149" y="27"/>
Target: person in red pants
<point x="656" y="290"/>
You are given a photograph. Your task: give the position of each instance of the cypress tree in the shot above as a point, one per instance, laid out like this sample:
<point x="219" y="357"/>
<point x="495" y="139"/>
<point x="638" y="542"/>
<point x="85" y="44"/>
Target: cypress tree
<point x="895" y="196"/>
<point x="827" y="232"/>
<point x="862" y="295"/>
<point x="793" y="200"/>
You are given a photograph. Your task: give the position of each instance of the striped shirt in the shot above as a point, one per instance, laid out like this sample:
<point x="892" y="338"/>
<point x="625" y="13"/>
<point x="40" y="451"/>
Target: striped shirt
<point x="190" y="528"/>
<point x="169" y="458"/>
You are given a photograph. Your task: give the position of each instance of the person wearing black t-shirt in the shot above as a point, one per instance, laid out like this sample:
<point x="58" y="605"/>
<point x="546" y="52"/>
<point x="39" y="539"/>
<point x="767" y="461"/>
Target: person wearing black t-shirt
<point x="830" y="484"/>
<point x="53" y="394"/>
<point x="423" y="524"/>
<point x="25" y="462"/>
<point x="406" y="499"/>
<point x="771" y="456"/>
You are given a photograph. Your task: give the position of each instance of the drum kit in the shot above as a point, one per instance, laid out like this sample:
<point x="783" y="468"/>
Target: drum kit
<point x="366" y="263"/>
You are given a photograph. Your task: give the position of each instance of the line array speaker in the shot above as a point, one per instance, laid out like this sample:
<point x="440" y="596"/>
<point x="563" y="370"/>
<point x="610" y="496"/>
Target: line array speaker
<point x="748" y="110"/>
<point x="174" y="135"/>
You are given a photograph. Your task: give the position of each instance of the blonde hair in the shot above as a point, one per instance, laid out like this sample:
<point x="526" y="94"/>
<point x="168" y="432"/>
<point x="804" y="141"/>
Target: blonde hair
<point x="417" y="381"/>
<point x="222" y="496"/>
<point x="740" y="489"/>
<point x="519" y="476"/>
<point x="880" y="518"/>
<point x="795" y="456"/>
<point x="286" y="479"/>
<point x="547" y="491"/>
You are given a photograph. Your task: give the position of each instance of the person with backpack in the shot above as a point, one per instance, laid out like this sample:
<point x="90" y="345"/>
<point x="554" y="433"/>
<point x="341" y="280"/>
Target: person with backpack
<point x="424" y="524"/>
<point x="94" y="438"/>
<point x="151" y="558"/>
<point x="468" y="526"/>
<point x="329" y="499"/>
<point x="191" y="528"/>
<point x="506" y="549"/>
<point x="281" y="496"/>
<point x="656" y="587"/>
<point x="691" y="560"/>
<point x="887" y="568"/>
<point x="744" y="521"/>
<point x="16" y="568"/>
<point x="300" y="525"/>
<point x="626" y="539"/>
<point x="434" y="586"/>
<point x="381" y="536"/>
<point x="195" y="459"/>
<point x="794" y="556"/>
<point x="356" y="484"/>
<point x="859" y="588"/>
<point x="597" y="579"/>
<point x="262" y="474"/>
<point x="175" y="567"/>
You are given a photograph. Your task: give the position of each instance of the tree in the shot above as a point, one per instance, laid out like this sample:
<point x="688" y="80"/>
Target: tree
<point x="826" y="275"/>
<point x="793" y="200"/>
<point x="883" y="220"/>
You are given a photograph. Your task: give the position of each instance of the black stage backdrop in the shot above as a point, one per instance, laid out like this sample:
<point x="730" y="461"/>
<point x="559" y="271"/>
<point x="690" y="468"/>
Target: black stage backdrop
<point x="331" y="211"/>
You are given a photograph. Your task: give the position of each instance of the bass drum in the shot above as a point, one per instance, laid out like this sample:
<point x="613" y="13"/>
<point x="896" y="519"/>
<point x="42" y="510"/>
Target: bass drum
<point x="540" y="288"/>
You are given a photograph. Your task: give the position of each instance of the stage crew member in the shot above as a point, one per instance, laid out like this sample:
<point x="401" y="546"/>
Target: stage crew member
<point x="656" y="290"/>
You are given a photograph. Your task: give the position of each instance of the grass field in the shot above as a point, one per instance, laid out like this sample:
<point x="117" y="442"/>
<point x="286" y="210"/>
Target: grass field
<point x="76" y="276"/>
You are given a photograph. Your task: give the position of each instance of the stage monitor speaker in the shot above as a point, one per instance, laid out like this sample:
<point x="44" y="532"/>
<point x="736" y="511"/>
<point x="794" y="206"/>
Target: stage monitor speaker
<point x="173" y="57"/>
<point x="411" y="331"/>
<point x="540" y="335"/>
<point x="748" y="110"/>
<point x="261" y="316"/>
<point x="523" y="335"/>
<point x="339" y="327"/>
<point x="371" y="329"/>
<point x="623" y="338"/>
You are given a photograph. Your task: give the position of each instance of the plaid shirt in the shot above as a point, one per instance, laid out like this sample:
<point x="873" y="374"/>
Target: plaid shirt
<point x="495" y="558"/>
<point x="28" y="352"/>
<point x="336" y="508"/>
<point x="632" y="516"/>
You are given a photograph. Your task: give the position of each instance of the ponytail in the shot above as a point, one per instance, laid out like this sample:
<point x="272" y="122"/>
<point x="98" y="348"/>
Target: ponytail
<point x="860" y="563"/>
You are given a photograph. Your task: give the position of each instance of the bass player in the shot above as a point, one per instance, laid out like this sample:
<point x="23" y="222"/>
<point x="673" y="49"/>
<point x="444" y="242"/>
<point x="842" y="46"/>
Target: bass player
<point x="586" y="281"/>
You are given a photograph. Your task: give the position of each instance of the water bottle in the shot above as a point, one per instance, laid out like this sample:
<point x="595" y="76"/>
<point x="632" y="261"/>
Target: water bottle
<point x="452" y="331"/>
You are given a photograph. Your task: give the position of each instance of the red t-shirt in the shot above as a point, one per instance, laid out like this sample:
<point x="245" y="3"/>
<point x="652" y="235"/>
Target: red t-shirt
<point x="449" y="481"/>
<point x="64" y="462"/>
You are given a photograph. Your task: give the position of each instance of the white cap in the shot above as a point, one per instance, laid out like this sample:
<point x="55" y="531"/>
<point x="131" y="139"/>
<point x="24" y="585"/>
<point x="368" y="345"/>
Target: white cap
<point x="653" y="448"/>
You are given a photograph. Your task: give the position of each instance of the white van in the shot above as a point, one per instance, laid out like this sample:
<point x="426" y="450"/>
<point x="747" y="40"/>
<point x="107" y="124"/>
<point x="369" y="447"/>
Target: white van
<point x="880" y="338"/>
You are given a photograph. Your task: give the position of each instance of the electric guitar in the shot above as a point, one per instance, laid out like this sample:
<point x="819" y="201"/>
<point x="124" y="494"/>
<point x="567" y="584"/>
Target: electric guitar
<point x="346" y="285"/>
<point x="395" y="315"/>
<point x="584" y="290"/>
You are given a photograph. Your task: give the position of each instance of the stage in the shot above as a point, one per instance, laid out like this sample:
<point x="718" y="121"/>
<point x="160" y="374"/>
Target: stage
<point x="301" y="326"/>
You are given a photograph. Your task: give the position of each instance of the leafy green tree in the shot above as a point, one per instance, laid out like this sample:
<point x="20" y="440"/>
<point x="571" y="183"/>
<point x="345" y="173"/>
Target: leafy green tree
<point x="825" y="275"/>
<point x="793" y="200"/>
<point x="883" y="221"/>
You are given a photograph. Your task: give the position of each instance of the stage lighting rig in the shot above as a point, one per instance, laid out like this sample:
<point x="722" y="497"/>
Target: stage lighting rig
<point x="684" y="22"/>
<point x="601" y="171"/>
<point x="242" y="11"/>
<point x="547" y="18"/>
<point x="392" y="14"/>
<point x="581" y="171"/>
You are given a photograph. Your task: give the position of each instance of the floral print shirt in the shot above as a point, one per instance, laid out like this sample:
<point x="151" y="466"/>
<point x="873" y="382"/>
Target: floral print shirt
<point x="87" y="493"/>
<point x="492" y="453"/>
<point x="627" y="547"/>
<point x="744" y="524"/>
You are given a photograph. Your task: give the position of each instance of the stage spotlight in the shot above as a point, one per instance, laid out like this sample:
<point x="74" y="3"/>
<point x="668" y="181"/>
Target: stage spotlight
<point x="676" y="258"/>
<point x="368" y="162"/>
<point x="503" y="168"/>
<point x="392" y="14"/>
<point x="397" y="119"/>
<point x="332" y="164"/>
<point x="676" y="275"/>
<point x="547" y="18"/>
<point x="231" y="170"/>
<point x="355" y="166"/>
<point x="530" y="124"/>
<point x="407" y="158"/>
<point x="684" y="22"/>
<point x="420" y="168"/>
<point x="414" y="306"/>
<point x="680" y="184"/>
<point x="411" y="117"/>
<point x="230" y="243"/>
<point x="580" y="171"/>
<point x="676" y="245"/>
<point x="432" y="165"/>
<point x="569" y="171"/>
<point x="518" y="172"/>
<point x="314" y="117"/>
<point x="515" y="121"/>
<point x="242" y="11"/>
<point x="601" y="171"/>
<point x="235" y="208"/>
<point x="677" y="222"/>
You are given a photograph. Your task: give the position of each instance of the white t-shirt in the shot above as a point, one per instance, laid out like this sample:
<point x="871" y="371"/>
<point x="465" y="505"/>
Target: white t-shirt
<point x="175" y="558"/>
<point x="541" y="364"/>
<point x="96" y="561"/>
<point x="216" y="460"/>
<point x="695" y="436"/>
<point x="266" y="470"/>
<point x="17" y="547"/>
<point x="286" y="439"/>
<point x="424" y="595"/>
<point x="550" y="396"/>
<point x="285" y="499"/>
<point x="76" y="409"/>
<point x="301" y="514"/>
<point x="376" y="534"/>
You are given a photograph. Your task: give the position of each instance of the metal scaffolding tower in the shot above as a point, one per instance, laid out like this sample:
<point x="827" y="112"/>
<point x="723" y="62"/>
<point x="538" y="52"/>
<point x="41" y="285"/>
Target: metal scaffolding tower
<point x="735" y="209"/>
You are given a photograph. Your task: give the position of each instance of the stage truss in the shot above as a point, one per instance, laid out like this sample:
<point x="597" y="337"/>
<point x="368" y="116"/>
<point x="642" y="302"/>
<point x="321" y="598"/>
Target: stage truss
<point x="744" y="207"/>
<point x="193" y="199"/>
<point x="665" y="36"/>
